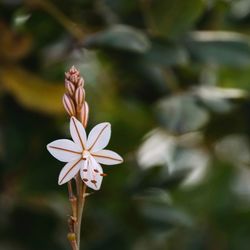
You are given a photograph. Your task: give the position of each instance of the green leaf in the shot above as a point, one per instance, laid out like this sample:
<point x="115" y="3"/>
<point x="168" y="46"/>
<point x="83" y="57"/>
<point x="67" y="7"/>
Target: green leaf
<point x="33" y="92"/>
<point x="119" y="37"/>
<point x="155" y="206"/>
<point x="224" y="48"/>
<point x="181" y="114"/>
<point x="166" y="53"/>
<point x="171" y="18"/>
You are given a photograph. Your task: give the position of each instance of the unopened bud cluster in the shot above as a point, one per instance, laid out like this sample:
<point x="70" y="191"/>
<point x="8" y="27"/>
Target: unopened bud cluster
<point x="74" y="98"/>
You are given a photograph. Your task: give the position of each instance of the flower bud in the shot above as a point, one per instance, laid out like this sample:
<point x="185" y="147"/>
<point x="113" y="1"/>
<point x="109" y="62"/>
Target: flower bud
<point x="74" y="71"/>
<point x="84" y="114"/>
<point x="69" y="105"/>
<point x="70" y="87"/>
<point x="80" y="82"/>
<point x="73" y="75"/>
<point x="74" y="79"/>
<point x="79" y="96"/>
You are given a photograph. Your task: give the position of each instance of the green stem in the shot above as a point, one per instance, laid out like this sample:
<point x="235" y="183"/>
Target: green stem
<point x="81" y="202"/>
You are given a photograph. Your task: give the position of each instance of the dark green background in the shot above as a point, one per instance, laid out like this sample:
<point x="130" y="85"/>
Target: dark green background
<point x="172" y="76"/>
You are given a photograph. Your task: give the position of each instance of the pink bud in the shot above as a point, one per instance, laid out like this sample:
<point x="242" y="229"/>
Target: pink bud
<point x="73" y="70"/>
<point x="79" y="96"/>
<point x="69" y="105"/>
<point x="73" y="75"/>
<point x="80" y="82"/>
<point x="70" y="87"/>
<point x="74" y="79"/>
<point x="84" y="115"/>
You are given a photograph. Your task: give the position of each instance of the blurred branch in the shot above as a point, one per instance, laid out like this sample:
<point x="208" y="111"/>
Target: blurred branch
<point x="69" y="25"/>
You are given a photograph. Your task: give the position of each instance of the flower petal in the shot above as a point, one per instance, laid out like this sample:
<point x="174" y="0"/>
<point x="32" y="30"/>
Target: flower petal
<point x="86" y="116"/>
<point x="91" y="173"/>
<point x="107" y="157"/>
<point x="64" y="150"/>
<point x="99" y="137"/>
<point x="69" y="171"/>
<point x="77" y="132"/>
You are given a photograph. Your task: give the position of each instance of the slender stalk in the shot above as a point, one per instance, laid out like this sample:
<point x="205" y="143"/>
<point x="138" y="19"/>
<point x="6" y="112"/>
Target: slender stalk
<point x="81" y="201"/>
<point x="73" y="201"/>
<point x="72" y="240"/>
<point x="75" y="98"/>
<point x="74" y="245"/>
<point x="73" y="219"/>
<point x="81" y="195"/>
<point x="70" y="189"/>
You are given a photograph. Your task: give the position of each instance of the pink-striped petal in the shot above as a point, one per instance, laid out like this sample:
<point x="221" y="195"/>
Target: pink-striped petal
<point x="80" y="82"/>
<point x="78" y="133"/>
<point x="69" y="105"/>
<point x="79" y="96"/>
<point x="91" y="173"/>
<point x="69" y="171"/>
<point x="64" y="150"/>
<point x="99" y="137"/>
<point x="84" y="114"/>
<point x="107" y="157"/>
<point x="70" y="87"/>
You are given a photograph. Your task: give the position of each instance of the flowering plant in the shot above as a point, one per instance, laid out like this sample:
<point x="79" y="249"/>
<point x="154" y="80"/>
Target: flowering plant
<point x="83" y="155"/>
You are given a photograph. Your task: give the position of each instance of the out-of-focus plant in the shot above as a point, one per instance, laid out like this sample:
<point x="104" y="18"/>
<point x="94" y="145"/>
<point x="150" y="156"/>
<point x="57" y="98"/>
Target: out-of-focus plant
<point x="176" y="78"/>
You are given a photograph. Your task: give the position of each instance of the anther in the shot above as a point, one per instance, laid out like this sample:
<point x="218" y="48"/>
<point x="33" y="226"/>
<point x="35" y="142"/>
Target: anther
<point x="84" y="179"/>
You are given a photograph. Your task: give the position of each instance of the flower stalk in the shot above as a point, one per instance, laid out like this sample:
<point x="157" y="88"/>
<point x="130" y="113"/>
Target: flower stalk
<point x="75" y="99"/>
<point x="83" y="155"/>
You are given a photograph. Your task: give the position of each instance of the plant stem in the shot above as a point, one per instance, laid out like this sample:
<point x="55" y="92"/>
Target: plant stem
<point x="73" y="200"/>
<point x="81" y="200"/>
<point x="74" y="245"/>
<point x="72" y="240"/>
<point x="77" y="202"/>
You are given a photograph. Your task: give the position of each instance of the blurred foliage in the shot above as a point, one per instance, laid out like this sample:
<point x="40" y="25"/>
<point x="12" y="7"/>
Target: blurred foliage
<point x="173" y="79"/>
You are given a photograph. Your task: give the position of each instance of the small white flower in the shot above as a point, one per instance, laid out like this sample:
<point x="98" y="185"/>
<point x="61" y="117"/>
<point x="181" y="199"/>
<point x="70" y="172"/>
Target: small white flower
<point x="84" y="154"/>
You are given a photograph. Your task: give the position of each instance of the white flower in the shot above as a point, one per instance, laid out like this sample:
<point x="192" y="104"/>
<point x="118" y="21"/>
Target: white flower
<point x="84" y="154"/>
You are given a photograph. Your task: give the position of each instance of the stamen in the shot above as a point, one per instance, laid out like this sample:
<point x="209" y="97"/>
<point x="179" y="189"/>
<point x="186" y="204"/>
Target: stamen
<point x="96" y="170"/>
<point x="85" y="179"/>
<point x="85" y="170"/>
<point x="94" y="181"/>
<point x="103" y="174"/>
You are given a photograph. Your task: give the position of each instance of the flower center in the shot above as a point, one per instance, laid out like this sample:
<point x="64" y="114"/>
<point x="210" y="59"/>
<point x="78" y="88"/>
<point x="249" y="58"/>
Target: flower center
<point x="85" y="154"/>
